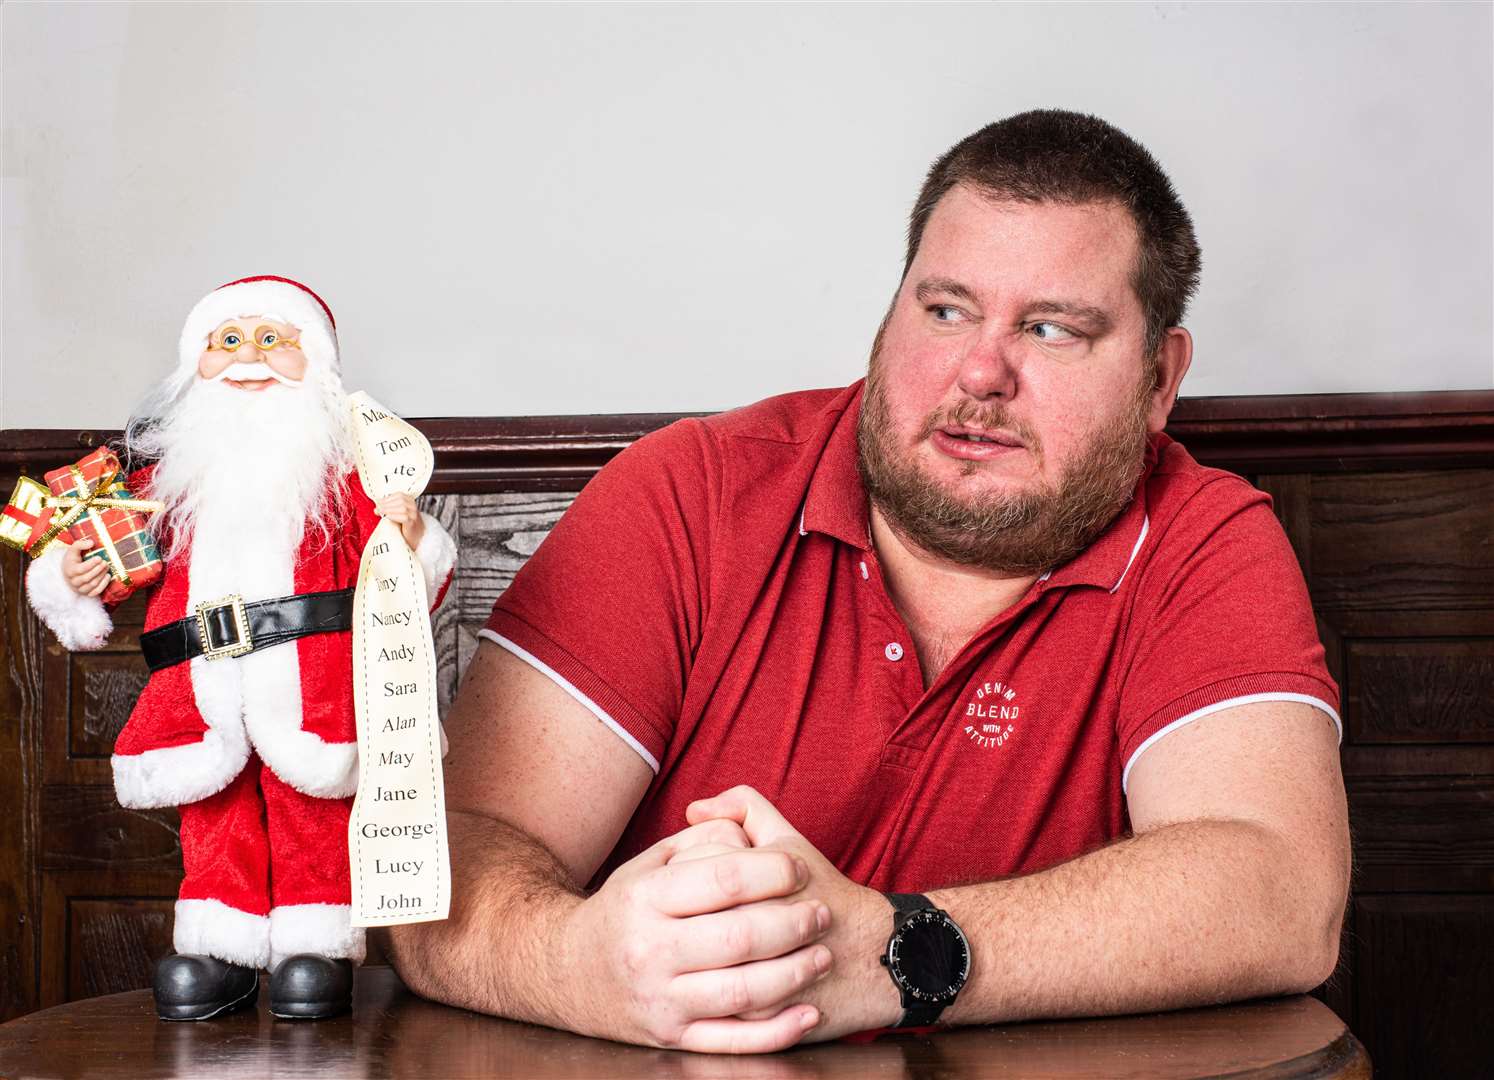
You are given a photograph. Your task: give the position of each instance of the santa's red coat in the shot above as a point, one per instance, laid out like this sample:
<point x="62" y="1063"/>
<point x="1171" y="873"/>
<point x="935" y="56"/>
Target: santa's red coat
<point x="195" y="723"/>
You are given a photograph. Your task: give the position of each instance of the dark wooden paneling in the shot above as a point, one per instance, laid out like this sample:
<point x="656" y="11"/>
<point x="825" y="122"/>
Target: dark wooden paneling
<point x="20" y="694"/>
<point x="1388" y="501"/>
<point x="85" y="828"/>
<point x="1410" y="540"/>
<point x="1405" y="690"/>
<point x="1423" y="833"/>
<point x="111" y="939"/>
<point x="1420" y="1019"/>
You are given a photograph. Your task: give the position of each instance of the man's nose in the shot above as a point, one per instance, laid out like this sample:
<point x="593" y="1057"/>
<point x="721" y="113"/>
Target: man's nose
<point x="989" y="367"/>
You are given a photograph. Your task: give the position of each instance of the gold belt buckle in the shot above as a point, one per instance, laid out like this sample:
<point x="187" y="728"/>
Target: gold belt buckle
<point x="242" y="642"/>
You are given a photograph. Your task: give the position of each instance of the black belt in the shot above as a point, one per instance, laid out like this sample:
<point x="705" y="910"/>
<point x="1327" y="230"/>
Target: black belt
<point x="230" y="627"/>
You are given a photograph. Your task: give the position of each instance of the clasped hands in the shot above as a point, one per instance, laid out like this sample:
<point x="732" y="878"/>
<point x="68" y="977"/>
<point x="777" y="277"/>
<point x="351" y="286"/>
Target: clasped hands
<point x="734" y="935"/>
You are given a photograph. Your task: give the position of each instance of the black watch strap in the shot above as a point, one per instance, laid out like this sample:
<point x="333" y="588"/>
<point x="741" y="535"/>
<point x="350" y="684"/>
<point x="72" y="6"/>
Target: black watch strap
<point x="908" y="902"/>
<point x="919" y="1014"/>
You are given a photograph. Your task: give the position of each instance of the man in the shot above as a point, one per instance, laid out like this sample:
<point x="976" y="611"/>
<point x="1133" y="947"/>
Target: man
<point x="963" y="695"/>
<point x="253" y="462"/>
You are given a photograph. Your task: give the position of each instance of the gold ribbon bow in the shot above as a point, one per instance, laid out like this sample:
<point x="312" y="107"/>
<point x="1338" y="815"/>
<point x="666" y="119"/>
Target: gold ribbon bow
<point x="103" y="497"/>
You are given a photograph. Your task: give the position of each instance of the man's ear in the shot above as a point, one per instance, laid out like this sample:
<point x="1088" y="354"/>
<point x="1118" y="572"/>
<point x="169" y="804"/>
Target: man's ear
<point x="1174" y="356"/>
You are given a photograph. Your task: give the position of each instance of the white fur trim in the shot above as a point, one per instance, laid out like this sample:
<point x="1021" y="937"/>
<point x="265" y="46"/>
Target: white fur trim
<point x="324" y="929"/>
<point x="271" y="688"/>
<point x="80" y="622"/>
<point x="303" y="760"/>
<point x="261" y="691"/>
<point x="286" y="302"/>
<point x="437" y="554"/>
<point x="272" y="717"/>
<point x="177" y="775"/>
<point x="212" y="928"/>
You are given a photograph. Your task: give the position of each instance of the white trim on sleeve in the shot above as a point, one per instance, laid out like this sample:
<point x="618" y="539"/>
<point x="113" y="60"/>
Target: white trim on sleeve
<point x="1230" y="703"/>
<point x="566" y="685"/>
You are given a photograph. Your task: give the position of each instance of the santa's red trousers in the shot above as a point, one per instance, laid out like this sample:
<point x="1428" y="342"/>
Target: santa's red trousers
<point x="266" y="873"/>
<point x="259" y="843"/>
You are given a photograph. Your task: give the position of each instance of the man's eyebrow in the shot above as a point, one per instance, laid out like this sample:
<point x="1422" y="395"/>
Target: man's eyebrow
<point x="929" y="288"/>
<point x="1098" y="319"/>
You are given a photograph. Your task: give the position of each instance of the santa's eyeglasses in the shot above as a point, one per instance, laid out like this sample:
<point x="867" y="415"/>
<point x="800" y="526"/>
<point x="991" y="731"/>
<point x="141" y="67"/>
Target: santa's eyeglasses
<point x="265" y="338"/>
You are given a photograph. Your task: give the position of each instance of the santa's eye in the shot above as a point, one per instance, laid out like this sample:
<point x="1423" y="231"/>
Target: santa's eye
<point x="232" y="339"/>
<point x="267" y="338"/>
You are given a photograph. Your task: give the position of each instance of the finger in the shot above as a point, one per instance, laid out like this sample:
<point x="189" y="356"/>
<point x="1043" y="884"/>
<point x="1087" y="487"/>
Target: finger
<point x="73" y="553"/>
<point x="702" y="851"/>
<point x="86" y="574"/>
<point x="758" y="985"/>
<point x="97" y="587"/>
<point x="715" y="831"/>
<point x="754" y="932"/>
<point x="750" y="1036"/>
<point x="759" y="818"/>
<point x="723" y="881"/>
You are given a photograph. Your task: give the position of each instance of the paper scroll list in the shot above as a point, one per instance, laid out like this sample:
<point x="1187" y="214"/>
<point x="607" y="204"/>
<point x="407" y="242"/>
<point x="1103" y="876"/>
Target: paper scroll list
<point x="397" y="850"/>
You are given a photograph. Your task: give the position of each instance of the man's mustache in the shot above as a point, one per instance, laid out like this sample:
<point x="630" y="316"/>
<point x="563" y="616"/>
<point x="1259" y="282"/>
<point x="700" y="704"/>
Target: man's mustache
<point x="241" y="372"/>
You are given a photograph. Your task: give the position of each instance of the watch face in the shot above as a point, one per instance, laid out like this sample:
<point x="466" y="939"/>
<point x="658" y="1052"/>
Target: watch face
<point x="929" y="956"/>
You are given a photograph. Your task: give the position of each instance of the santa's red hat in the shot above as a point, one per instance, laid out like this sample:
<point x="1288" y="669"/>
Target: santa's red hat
<point x="280" y="298"/>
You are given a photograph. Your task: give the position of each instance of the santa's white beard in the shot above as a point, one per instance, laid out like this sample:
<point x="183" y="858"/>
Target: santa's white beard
<point x="252" y="466"/>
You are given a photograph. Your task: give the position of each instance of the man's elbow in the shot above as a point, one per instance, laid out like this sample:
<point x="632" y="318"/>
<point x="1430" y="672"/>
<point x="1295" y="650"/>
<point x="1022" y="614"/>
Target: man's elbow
<point x="405" y="947"/>
<point x="1313" y="946"/>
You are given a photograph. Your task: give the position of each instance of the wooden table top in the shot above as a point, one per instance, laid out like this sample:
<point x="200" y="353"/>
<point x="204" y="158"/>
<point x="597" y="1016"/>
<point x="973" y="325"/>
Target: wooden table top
<point x="393" y="1033"/>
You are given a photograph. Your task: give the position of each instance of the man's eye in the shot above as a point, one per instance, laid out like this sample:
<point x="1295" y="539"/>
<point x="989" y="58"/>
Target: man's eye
<point x="232" y="340"/>
<point x="1047" y="331"/>
<point x="944" y="312"/>
<point x="267" y="339"/>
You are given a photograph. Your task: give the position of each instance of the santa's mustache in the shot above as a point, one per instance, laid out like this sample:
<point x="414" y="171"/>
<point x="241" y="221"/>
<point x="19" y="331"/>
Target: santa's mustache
<point x="242" y="372"/>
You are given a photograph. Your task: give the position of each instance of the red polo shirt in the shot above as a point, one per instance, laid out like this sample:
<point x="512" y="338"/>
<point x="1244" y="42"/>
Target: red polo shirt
<point x="713" y="597"/>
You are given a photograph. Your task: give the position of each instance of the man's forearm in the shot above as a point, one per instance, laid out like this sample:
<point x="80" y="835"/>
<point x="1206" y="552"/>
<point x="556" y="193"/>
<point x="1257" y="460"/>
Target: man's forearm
<point x="1192" y="913"/>
<point x="496" y="952"/>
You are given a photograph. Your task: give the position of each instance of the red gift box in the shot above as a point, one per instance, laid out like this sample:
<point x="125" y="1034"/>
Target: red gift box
<point x="91" y="501"/>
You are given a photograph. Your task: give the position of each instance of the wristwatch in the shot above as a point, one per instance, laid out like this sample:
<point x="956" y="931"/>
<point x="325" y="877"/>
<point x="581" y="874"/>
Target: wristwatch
<point x="927" y="957"/>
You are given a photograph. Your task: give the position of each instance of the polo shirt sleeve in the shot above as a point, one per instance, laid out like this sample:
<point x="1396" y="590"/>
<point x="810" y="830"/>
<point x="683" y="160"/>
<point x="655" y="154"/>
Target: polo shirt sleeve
<point x="1221" y="618"/>
<point x="610" y="606"/>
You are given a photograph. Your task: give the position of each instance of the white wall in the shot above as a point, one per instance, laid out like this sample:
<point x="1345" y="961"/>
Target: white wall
<point x="576" y="209"/>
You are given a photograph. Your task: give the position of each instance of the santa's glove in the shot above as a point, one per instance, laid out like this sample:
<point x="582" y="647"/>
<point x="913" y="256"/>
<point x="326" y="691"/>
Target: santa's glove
<point x="80" y="622"/>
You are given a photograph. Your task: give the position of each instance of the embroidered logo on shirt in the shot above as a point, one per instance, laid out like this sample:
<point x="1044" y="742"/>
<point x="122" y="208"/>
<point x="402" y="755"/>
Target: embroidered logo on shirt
<point x="991" y="714"/>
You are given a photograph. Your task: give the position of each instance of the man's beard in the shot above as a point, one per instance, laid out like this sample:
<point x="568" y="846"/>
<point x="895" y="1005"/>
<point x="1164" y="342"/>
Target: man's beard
<point x="258" y="462"/>
<point x="1028" y="532"/>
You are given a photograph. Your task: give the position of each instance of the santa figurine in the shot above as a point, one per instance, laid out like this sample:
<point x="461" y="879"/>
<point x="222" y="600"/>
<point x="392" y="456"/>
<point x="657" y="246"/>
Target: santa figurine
<point x="247" y="722"/>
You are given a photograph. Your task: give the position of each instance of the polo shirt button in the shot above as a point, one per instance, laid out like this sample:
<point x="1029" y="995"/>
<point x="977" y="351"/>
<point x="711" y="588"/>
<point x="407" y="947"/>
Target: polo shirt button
<point x="894" y="651"/>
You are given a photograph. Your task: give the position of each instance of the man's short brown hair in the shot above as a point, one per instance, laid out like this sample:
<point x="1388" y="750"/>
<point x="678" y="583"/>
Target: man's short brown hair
<point x="1050" y="155"/>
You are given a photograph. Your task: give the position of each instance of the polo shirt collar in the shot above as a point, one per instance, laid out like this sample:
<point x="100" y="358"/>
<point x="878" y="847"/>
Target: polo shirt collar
<point x="836" y="502"/>
<point x="1110" y="556"/>
<point x="836" y="505"/>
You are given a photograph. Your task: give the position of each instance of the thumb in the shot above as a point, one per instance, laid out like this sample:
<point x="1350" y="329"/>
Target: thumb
<point x="759" y="818"/>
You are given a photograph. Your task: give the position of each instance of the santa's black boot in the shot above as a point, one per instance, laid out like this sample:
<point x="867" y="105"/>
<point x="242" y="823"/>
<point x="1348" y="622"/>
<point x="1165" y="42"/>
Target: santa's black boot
<point x="191" y="987"/>
<point x="311" y="987"/>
